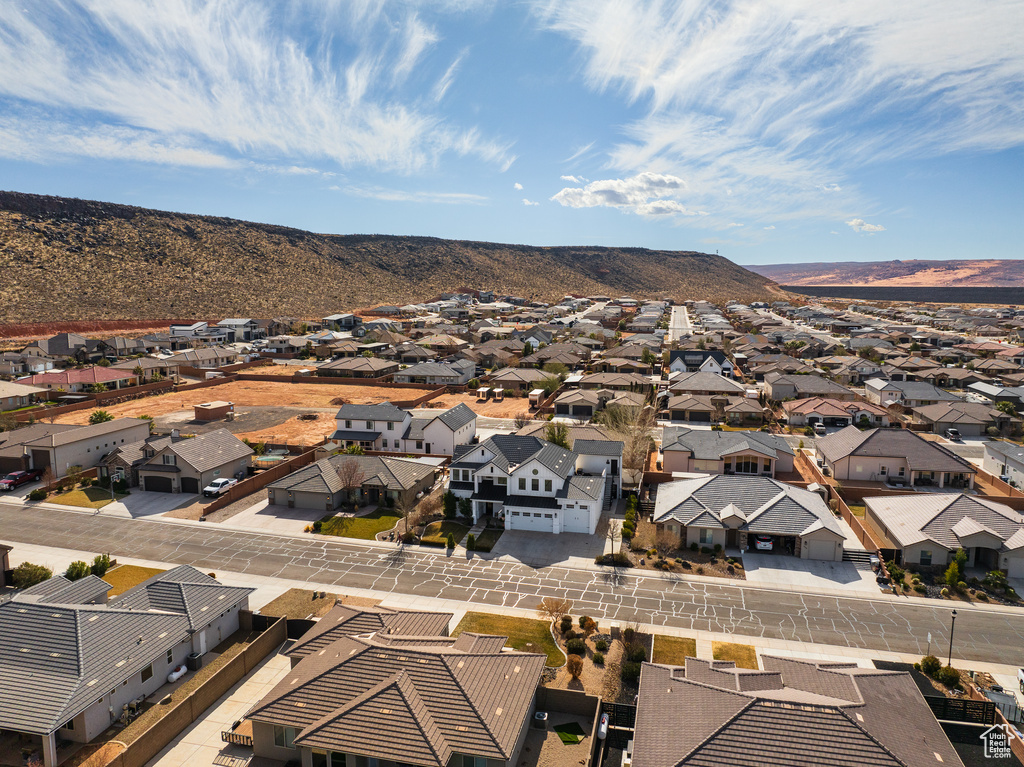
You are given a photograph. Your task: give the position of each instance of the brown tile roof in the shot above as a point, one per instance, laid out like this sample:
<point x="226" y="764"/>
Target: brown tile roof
<point x="406" y="703"/>
<point x="343" y="620"/>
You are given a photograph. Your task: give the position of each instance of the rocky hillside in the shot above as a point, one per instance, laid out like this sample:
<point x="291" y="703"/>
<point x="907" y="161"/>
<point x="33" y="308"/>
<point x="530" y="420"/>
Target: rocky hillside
<point x="911" y="273"/>
<point x="67" y="259"/>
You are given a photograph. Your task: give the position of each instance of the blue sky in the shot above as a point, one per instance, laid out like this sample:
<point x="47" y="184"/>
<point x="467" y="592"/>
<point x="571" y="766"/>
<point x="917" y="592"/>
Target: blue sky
<point x="768" y="130"/>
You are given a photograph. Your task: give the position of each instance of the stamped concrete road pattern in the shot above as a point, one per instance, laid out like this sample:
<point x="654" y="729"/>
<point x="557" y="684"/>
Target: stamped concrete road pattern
<point x="883" y="624"/>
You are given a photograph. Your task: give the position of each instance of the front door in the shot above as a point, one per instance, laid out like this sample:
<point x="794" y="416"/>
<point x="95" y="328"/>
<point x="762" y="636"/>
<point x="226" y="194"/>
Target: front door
<point x="426" y="447"/>
<point x="202" y="642"/>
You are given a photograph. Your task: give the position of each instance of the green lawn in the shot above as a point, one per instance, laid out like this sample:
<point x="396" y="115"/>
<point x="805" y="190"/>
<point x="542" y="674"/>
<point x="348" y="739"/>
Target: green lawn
<point x="365" y="527"/>
<point x="436" y="533"/>
<point x="86" y="497"/>
<point x="858" y="510"/>
<point x="524" y="634"/>
<point x="743" y="654"/>
<point x="673" y="651"/>
<point x="487" y="539"/>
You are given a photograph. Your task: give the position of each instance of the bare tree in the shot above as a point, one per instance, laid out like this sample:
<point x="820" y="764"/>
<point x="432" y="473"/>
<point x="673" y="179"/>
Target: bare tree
<point x="351" y="475"/>
<point x="522" y="419"/>
<point x="633" y="425"/>
<point x="554" y="608"/>
<point x="612" y="534"/>
<point x="646" y="533"/>
<point x="665" y="543"/>
<point x="404" y="508"/>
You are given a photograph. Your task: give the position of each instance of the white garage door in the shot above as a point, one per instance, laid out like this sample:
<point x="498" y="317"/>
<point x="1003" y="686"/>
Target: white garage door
<point x="1015" y="567"/>
<point x="821" y="550"/>
<point x="539" y="521"/>
<point x="577" y="520"/>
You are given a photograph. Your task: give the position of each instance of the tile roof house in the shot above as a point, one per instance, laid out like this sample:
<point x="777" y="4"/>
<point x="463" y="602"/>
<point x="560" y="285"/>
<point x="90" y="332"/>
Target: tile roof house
<point x="971" y="419"/>
<point x="69" y="663"/>
<point x="929" y="528"/>
<point x="343" y="621"/>
<point x="520" y="379"/>
<point x="779" y="387"/>
<point x="725" y="452"/>
<point x="704" y="383"/>
<point x="833" y="412"/>
<point x="189" y="465"/>
<point x="79" y="379"/>
<point x="437" y="373"/>
<point x="729" y="510"/>
<point x="700" y="360"/>
<point x="431" y="702"/>
<point x="909" y="394"/>
<point x="359" y="367"/>
<point x="322" y="484"/>
<point x="535" y="485"/>
<point x="893" y="456"/>
<point x="792" y="714"/>
<point x="709" y="409"/>
<point x="16" y="395"/>
<point x="386" y="427"/>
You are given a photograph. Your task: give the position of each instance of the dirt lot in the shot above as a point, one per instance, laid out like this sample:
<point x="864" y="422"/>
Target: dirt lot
<point x="509" y="408"/>
<point x="257" y="393"/>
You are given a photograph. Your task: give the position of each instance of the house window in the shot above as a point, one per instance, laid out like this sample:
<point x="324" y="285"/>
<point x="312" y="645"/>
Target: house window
<point x="883" y="470"/>
<point x="284" y="737"/>
<point x="767" y="464"/>
<point x="902" y="471"/>
<point x="147" y="673"/>
<point x="369" y="424"/>
<point x="170" y="460"/>
<point x="69" y="724"/>
<point x="926" y="558"/>
<point x="473" y="761"/>
<point x="547" y="485"/>
<point x="570" y="505"/>
<point x="707" y="537"/>
<point x="503" y="481"/>
<point x="537" y="515"/>
<point x="535" y="484"/>
<point x="170" y="656"/>
<point x="419" y="444"/>
<point x="348" y="424"/>
<point x="522" y="483"/>
<point x="547" y="516"/>
<point x="391" y="425"/>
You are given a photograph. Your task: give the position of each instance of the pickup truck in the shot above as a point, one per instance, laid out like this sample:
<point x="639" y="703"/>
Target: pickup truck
<point x="219" y="486"/>
<point x="18" y="478"/>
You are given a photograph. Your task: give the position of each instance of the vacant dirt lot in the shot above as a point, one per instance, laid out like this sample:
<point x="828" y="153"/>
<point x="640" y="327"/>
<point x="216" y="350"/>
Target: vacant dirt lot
<point x="255" y="393"/>
<point x="509" y="408"/>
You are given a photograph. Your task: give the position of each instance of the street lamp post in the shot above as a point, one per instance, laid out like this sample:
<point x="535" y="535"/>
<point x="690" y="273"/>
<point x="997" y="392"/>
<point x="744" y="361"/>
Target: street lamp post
<point x="952" y="625"/>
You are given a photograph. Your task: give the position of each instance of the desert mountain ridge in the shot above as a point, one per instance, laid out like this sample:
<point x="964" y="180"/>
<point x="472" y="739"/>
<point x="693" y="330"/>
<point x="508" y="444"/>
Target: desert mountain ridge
<point x="69" y="259"/>
<point x="902" y="273"/>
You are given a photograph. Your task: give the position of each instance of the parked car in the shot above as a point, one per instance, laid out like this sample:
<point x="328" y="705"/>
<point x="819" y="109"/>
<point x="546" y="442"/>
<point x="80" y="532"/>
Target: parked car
<point x="819" y="429"/>
<point x="18" y="478"/>
<point x="953" y="435"/>
<point x="763" y="542"/>
<point x="219" y="486"/>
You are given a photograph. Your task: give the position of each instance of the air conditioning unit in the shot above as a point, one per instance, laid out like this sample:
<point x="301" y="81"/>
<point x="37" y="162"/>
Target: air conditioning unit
<point x="540" y="720"/>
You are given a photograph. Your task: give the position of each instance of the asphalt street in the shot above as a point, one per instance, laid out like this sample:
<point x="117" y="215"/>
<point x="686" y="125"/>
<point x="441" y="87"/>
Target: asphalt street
<point x="884" y="624"/>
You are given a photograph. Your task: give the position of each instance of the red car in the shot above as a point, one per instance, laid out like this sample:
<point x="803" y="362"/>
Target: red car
<point x="18" y="478"/>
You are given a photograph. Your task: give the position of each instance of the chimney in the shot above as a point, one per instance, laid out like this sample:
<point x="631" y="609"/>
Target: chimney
<point x="175" y="434"/>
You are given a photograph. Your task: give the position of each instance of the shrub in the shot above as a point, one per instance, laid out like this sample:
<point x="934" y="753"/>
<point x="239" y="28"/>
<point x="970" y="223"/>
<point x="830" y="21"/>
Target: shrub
<point x="944" y="592"/>
<point x="574" y="665"/>
<point x="917" y="667"/>
<point x="100" y="565"/>
<point x="470" y="542"/>
<point x="948" y="676"/>
<point x="718" y="548"/>
<point x="450" y="502"/>
<point x="919" y="588"/>
<point x="589" y="627"/>
<point x="982" y="596"/>
<point x="685" y="565"/>
<point x="599" y="659"/>
<point x="27" y="574"/>
<point x="694" y="547"/>
<point x="77" y="570"/>
<point x="637" y="654"/>
<point x="995" y="579"/>
<point x="565" y="624"/>
<point x="1010" y="593"/>
<point x="37" y="495"/>
<point x="630" y="671"/>
<point x="652" y="553"/>
<point x="705" y="550"/>
<point x="409" y="537"/>
<point x="318" y="526"/>
<point x="961" y="587"/>
<point x="930" y="664"/>
<point x="628" y="635"/>
<point x="576" y="647"/>
<point x="583" y="620"/>
<point x="621" y="559"/>
<point x="451" y="541"/>
<point x="601" y="646"/>
<point x="100" y="416"/>
<point x="700" y="571"/>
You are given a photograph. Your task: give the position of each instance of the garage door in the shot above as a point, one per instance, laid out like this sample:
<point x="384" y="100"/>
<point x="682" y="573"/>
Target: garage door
<point x="543" y="522"/>
<point x="189" y="485"/>
<point x="825" y="550"/>
<point x="700" y="417"/>
<point x="586" y="411"/>
<point x="157" y="484"/>
<point x="577" y="520"/>
<point x="1015" y="567"/>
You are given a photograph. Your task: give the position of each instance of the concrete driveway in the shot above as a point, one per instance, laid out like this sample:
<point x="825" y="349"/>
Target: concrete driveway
<point x="545" y="549"/>
<point x="264" y="517"/>
<point x="785" y="570"/>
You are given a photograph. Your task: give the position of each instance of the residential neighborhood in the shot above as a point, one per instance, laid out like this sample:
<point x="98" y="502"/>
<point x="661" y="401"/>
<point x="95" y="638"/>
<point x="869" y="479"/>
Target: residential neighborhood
<point x="430" y="491"/>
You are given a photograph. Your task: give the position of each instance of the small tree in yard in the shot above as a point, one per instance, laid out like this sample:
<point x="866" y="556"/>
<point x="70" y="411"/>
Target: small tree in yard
<point x="612" y="535"/>
<point x="589" y="626"/>
<point x="557" y="434"/>
<point x="27" y="574"/>
<point x="100" y="416"/>
<point x="574" y="666"/>
<point x="466" y="507"/>
<point x="450" y="505"/>
<point x="955" y="571"/>
<point x="352" y="477"/>
<point x="77" y="570"/>
<point x="665" y="543"/>
<point x="100" y="565"/>
<point x="553" y="608"/>
<point x="404" y="509"/>
<point x="451" y="541"/>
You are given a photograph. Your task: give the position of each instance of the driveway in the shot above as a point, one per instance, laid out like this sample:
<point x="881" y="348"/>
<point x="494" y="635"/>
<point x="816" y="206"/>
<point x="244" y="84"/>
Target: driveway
<point x="268" y="518"/>
<point x="546" y="549"/>
<point x="784" y="570"/>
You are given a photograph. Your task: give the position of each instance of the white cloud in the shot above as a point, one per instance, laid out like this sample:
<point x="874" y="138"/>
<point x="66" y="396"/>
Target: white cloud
<point x="529" y="203"/>
<point x="769" y="228"/>
<point x="401" y="195"/>
<point x="517" y="186"/>
<point x="767" y="97"/>
<point x="295" y="85"/>
<point x="860" y="225"/>
<point x="734" y="224"/>
<point x="574" y="179"/>
<point x="833" y="232"/>
<point x="579" y="152"/>
<point x="646" y="194"/>
<point x="442" y="86"/>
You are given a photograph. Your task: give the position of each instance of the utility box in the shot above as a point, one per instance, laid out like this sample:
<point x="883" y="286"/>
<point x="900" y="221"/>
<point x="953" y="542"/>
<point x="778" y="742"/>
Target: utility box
<point x="213" y="411"/>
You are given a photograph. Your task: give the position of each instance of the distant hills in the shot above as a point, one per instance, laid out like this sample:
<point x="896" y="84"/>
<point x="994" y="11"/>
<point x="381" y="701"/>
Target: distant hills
<point x="913" y="273"/>
<point x="67" y="259"/>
